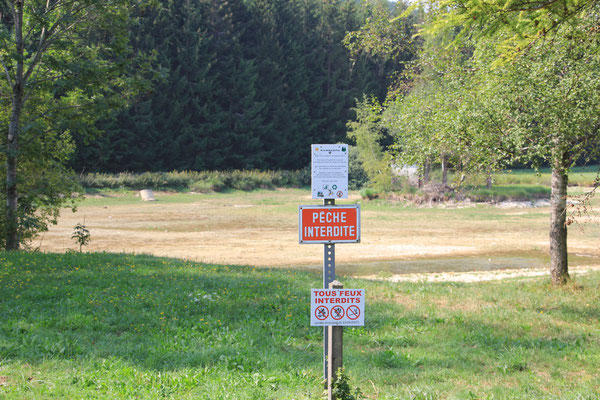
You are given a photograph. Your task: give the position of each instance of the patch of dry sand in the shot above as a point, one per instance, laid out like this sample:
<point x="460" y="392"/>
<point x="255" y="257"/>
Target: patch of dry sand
<point x="262" y="230"/>
<point x="479" y="276"/>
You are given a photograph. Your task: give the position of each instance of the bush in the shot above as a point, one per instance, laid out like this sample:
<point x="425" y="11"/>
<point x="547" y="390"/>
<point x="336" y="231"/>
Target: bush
<point x="508" y="192"/>
<point x="202" y="187"/>
<point x="198" y="181"/>
<point x="369" y="193"/>
<point x="357" y="177"/>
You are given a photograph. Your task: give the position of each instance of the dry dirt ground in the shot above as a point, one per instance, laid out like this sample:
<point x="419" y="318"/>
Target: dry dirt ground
<point x="261" y="228"/>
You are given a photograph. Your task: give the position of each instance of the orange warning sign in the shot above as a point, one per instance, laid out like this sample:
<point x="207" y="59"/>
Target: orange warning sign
<point x="329" y="224"/>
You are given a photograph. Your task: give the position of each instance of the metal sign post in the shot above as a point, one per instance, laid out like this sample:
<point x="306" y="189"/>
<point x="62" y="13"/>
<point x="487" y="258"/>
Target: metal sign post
<point x="328" y="277"/>
<point x="329" y="181"/>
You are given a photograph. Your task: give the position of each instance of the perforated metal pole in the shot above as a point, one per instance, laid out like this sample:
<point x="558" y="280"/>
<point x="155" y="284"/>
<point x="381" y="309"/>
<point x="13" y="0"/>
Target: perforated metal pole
<point x="336" y="350"/>
<point x="328" y="277"/>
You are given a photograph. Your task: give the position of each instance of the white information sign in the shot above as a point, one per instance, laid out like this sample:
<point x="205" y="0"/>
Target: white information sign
<point x="329" y="171"/>
<point x="337" y="307"/>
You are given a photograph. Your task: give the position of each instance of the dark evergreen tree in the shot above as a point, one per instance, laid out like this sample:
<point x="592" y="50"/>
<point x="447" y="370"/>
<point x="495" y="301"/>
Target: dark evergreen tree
<point x="243" y="84"/>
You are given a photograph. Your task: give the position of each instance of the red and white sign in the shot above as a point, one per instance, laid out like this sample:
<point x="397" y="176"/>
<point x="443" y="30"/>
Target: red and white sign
<point x="337" y="307"/>
<point x="329" y="224"/>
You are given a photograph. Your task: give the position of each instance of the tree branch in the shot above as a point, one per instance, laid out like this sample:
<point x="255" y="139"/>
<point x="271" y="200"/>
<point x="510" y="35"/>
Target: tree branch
<point x="55" y="31"/>
<point x="7" y="72"/>
<point x="12" y="9"/>
<point x="531" y="5"/>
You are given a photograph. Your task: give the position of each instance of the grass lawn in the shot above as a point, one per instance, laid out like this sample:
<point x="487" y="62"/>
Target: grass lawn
<point x="106" y="326"/>
<point x="578" y="176"/>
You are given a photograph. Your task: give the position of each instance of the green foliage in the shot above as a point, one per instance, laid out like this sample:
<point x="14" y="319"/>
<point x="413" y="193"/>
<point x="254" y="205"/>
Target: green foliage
<point x="523" y="23"/>
<point x="461" y="109"/>
<point x="200" y="181"/>
<point x="370" y="138"/>
<point x="537" y="99"/>
<point x="341" y="389"/>
<point x="244" y="85"/>
<point x="45" y="185"/>
<point x="82" y="235"/>
<point x="439" y="119"/>
<point x="357" y="177"/>
<point x="210" y="184"/>
<point x="480" y="113"/>
<point x="65" y="66"/>
<point x="369" y="193"/>
<point x="386" y="38"/>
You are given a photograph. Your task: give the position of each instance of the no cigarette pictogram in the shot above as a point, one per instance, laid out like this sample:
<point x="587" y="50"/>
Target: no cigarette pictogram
<point x="353" y="312"/>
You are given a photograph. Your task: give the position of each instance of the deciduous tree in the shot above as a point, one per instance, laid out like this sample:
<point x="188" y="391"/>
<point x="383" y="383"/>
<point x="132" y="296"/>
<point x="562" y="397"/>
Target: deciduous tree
<point x="548" y="100"/>
<point x="64" y="64"/>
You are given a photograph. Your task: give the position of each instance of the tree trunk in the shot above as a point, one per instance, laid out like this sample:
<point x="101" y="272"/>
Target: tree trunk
<point x="17" y="100"/>
<point x="426" y="171"/>
<point x="488" y="180"/>
<point x="444" y="170"/>
<point x="559" y="268"/>
<point x="12" y="222"/>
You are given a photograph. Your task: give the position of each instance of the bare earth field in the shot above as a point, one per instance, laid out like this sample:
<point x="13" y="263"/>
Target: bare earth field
<point x="261" y="228"/>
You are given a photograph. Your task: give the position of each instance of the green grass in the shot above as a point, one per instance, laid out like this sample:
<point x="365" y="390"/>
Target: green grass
<point x="578" y="176"/>
<point x="128" y="197"/>
<point x="104" y="326"/>
<point x="508" y="192"/>
<point x="509" y="185"/>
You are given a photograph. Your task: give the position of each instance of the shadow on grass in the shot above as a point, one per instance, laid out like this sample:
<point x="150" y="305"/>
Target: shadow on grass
<point x="166" y="315"/>
<point x="155" y="313"/>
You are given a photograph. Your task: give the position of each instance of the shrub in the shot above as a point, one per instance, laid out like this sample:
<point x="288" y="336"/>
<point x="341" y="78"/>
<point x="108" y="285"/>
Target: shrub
<point x="369" y="193"/>
<point x="198" y="181"/>
<point x="357" y="177"/>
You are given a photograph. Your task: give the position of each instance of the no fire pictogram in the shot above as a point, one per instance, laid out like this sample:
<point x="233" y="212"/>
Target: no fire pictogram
<point x="321" y="313"/>
<point x="345" y="307"/>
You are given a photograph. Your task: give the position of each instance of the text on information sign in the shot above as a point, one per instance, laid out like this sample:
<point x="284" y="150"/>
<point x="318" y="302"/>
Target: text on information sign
<point x="337" y="307"/>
